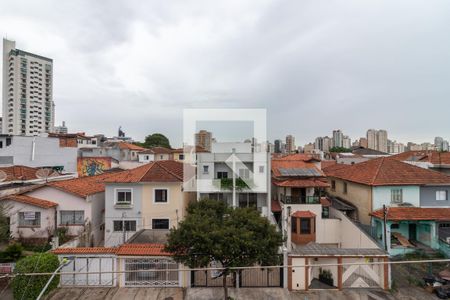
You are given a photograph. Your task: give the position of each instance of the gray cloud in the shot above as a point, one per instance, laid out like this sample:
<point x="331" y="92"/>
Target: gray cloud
<point x="315" y="65"/>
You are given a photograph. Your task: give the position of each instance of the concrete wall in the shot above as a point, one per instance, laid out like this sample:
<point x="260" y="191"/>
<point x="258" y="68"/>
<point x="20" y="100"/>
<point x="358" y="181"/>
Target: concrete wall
<point x="43" y="231"/>
<point x="358" y="194"/>
<point x="97" y="202"/>
<point x="428" y="196"/>
<point x="382" y="195"/>
<point x="47" y="152"/>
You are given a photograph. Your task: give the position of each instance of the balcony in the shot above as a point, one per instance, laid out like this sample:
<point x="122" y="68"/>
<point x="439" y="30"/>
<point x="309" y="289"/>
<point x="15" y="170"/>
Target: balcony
<point x="300" y="199"/>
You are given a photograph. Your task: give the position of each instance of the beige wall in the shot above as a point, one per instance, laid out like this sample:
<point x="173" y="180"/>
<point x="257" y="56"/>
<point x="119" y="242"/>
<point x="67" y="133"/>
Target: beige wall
<point x="298" y="274"/>
<point x="174" y="209"/>
<point x="357" y="194"/>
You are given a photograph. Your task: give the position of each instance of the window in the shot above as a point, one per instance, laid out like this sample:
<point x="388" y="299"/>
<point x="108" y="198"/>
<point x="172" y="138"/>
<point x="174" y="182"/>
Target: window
<point x="222" y="175"/>
<point x="72" y="217"/>
<point x="244" y="173"/>
<point x="395" y="226"/>
<point x="161" y="156"/>
<point x="305" y="226"/>
<point x="30" y="218"/>
<point x="396" y="196"/>
<point x="129" y="225"/>
<point x="181" y="157"/>
<point x="205" y="169"/>
<point x="161" y="196"/>
<point x="345" y="187"/>
<point x="160" y="223"/>
<point x="293" y="224"/>
<point x="325" y="212"/>
<point x="441" y="195"/>
<point x="261" y="169"/>
<point x="333" y="185"/>
<point x="8" y="141"/>
<point x="123" y="196"/>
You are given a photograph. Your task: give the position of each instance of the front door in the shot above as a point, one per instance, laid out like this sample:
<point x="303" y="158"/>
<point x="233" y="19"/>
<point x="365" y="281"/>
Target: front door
<point x="412" y="232"/>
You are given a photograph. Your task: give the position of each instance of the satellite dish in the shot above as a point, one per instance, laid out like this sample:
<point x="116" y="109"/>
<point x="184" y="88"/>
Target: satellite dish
<point x="3" y="176"/>
<point x="43" y="173"/>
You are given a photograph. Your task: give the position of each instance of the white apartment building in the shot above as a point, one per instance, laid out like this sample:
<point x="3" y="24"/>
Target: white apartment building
<point x="28" y="107"/>
<point x="377" y="140"/>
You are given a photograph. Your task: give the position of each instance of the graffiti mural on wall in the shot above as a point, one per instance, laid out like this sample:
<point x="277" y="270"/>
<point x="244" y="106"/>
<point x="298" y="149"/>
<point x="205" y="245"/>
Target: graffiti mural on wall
<point x="89" y="166"/>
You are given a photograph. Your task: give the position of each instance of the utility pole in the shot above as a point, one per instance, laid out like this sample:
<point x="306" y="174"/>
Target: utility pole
<point x="234" y="177"/>
<point x="384" y="226"/>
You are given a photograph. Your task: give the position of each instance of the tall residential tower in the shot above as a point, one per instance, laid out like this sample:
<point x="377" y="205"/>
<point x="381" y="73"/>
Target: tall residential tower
<point x="28" y="107"/>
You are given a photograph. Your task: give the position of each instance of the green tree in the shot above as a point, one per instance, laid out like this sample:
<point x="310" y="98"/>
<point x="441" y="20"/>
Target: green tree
<point x="4" y="223"/>
<point x="29" y="287"/>
<point x="156" y="140"/>
<point x="214" y="232"/>
<point x="340" y="150"/>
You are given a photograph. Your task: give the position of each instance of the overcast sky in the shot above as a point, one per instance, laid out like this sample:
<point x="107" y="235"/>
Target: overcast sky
<point x="314" y="65"/>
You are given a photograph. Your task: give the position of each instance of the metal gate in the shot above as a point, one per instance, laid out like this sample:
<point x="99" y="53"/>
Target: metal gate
<point x="162" y="272"/>
<point x="87" y="264"/>
<point x="361" y="276"/>
<point x="260" y="277"/>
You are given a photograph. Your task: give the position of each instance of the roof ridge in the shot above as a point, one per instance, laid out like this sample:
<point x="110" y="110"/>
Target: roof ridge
<point x="149" y="165"/>
<point x="378" y="170"/>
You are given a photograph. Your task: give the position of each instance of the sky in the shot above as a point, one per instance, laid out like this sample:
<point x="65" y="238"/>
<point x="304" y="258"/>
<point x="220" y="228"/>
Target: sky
<point x="314" y="65"/>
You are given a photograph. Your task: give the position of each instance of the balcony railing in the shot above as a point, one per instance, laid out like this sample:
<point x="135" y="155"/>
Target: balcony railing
<point x="300" y="199"/>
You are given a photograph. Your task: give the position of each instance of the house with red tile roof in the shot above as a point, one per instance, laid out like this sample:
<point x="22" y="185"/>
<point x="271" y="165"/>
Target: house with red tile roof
<point x="79" y="206"/>
<point x="433" y="160"/>
<point x="399" y="186"/>
<point x="31" y="219"/>
<point x="146" y="201"/>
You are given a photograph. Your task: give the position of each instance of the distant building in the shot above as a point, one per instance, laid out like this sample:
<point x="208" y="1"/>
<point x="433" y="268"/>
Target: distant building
<point x="441" y="144"/>
<point x="338" y="138"/>
<point x="28" y="107"/>
<point x="377" y="140"/>
<point x="204" y="139"/>
<point x="394" y="147"/>
<point x="363" y="142"/>
<point x="346" y="142"/>
<point x="61" y="129"/>
<point x="290" y="144"/>
<point x="308" y="148"/>
<point x="277" y="146"/>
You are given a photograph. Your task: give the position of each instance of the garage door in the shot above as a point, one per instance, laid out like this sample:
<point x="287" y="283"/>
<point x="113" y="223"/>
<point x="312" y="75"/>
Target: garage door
<point x="95" y="267"/>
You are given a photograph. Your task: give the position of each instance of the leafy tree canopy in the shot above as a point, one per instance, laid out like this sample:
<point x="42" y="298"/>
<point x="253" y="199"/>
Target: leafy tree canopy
<point x="29" y="287"/>
<point x="4" y="224"/>
<point x="213" y="231"/>
<point x="156" y="140"/>
<point x="340" y="149"/>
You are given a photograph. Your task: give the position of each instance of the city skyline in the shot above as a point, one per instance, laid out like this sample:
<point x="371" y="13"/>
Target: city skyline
<point x="164" y="58"/>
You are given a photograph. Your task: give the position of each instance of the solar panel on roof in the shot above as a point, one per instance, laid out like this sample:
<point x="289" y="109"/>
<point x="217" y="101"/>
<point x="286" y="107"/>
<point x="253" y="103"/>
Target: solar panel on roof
<point x="299" y="172"/>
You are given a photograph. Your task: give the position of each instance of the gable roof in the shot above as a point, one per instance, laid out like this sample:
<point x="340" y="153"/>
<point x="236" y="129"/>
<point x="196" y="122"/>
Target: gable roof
<point x="157" y="171"/>
<point x="367" y="151"/>
<point x="156" y="150"/>
<point x="414" y="214"/>
<point x="30" y="200"/>
<point x="386" y="171"/>
<point x="434" y="157"/>
<point x="128" y="146"/>
<point x="83" y="186"/>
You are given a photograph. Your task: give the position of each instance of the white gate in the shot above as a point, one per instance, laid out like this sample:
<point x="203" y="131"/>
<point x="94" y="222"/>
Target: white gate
<point x="89" y="265"/>
<point x="163" y="272"/>
<point x="362" y="276"/>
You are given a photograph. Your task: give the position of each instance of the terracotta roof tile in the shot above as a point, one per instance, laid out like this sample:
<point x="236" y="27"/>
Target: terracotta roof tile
<point x="16" y="173"/>
<point x="157" y="171"/>
<point x="300" y="183"/>
<point x="142" y="249"/>
<point x="387" y="171"/>
<point x="275" y="205"/>
<point x="414" y="214"/>
<point x="434" y="157"/>
<point x="124" y="145"/>
<point x="84" y="186"/>
<point x="327" y="163"/>
<point x="31" y="200"/>
<point x="157" y="150"/>
<point x="85" y="250"/>
<point x="298" y="157"/>
<point x="303" y="214"/>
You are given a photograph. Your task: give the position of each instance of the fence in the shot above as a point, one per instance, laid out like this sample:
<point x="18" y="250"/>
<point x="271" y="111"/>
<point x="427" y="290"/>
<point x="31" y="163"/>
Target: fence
<point x="159" y="272"/>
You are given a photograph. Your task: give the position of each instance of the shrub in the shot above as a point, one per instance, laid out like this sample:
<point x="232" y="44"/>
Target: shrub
<point x="12" y="253"/>
<point x="62" y="235"/>
<point x="29" y="287"/>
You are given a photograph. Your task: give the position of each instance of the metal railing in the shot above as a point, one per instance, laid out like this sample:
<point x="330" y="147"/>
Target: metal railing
<point x="300" y="199"/>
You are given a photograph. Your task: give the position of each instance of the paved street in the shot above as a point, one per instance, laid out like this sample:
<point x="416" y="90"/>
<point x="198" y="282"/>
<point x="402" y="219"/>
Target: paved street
<point x="413" y="293"/>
